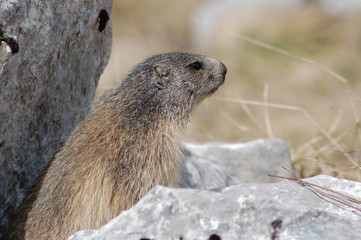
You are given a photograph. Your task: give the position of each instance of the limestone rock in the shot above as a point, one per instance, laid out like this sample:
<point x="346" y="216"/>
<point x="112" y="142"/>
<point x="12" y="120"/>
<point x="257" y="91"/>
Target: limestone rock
<point x="51" y="56"/>
<point x="285" y="210"/>
<point x="217" y="165"/>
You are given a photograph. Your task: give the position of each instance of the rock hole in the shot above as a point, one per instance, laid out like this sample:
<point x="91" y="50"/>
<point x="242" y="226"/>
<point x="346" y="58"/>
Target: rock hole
<point x="276" y="225"/>
<point x="214" y="237"/>
<point x="8" y="47"/>
<point x="13" y="45"/>
<point x="103" y="18"/>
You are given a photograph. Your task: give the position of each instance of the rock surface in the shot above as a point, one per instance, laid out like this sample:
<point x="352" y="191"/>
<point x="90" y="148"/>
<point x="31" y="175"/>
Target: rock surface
<point x="51" y="56"/>
<point x="285" y="210"/>
<point x="217" y="165"/>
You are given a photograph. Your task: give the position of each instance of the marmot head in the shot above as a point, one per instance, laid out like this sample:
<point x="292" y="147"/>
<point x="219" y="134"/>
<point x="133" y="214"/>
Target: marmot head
<point x="190" y="76"/>
<point x="166" y="86"/>
<point x="174" y="81"/>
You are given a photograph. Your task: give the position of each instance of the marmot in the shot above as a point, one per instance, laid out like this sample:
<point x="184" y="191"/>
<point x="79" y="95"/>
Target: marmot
<point x="128" y="144"/>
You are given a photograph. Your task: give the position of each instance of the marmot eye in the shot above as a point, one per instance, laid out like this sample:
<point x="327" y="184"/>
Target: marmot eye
<point x="195" y="66"/>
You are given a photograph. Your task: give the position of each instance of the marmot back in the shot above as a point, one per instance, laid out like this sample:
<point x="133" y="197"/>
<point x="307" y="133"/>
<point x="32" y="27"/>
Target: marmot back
<point x="128" y="144"/>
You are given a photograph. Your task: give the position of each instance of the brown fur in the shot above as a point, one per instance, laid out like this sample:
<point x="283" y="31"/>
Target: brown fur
<point x="128" y="144"/>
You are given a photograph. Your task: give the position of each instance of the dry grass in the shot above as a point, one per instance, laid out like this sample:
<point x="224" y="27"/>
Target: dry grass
<point x="299" y="81"/>
<point x="327" y="193"/>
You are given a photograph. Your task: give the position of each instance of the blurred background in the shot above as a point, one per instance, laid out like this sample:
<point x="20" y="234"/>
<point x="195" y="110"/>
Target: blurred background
<point x="267" y="94"/>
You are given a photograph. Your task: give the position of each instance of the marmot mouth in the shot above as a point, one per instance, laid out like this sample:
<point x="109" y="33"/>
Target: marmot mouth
<point x="222" y="78"/>
<point x="213" y="90"/>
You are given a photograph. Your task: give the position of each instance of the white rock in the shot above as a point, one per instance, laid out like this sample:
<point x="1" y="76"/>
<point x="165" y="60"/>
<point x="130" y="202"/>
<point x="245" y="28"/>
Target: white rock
<point x="216" y="165"/>
<point x="285" y="210"/>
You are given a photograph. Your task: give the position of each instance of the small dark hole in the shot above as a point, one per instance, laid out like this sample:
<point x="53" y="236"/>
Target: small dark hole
<point x="214" y="237"/>
<point x="14" y="46"/>
<point x="277" y="223"/>
<point x="103" y="18"/>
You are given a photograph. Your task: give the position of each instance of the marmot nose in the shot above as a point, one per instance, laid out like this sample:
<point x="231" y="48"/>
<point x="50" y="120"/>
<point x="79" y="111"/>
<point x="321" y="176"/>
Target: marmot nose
<point x="223" y="69"/>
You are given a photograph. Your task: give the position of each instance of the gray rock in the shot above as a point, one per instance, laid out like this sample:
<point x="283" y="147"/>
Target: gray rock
<point x="217" y="165"/>
<point x="51" y="56"/>
<point x="285" y="210"/>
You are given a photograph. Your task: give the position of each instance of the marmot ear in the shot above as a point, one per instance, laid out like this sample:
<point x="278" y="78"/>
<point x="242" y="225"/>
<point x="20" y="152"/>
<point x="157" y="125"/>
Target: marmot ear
<point x="162" y="74"/>
<point x="161" y="71"/>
